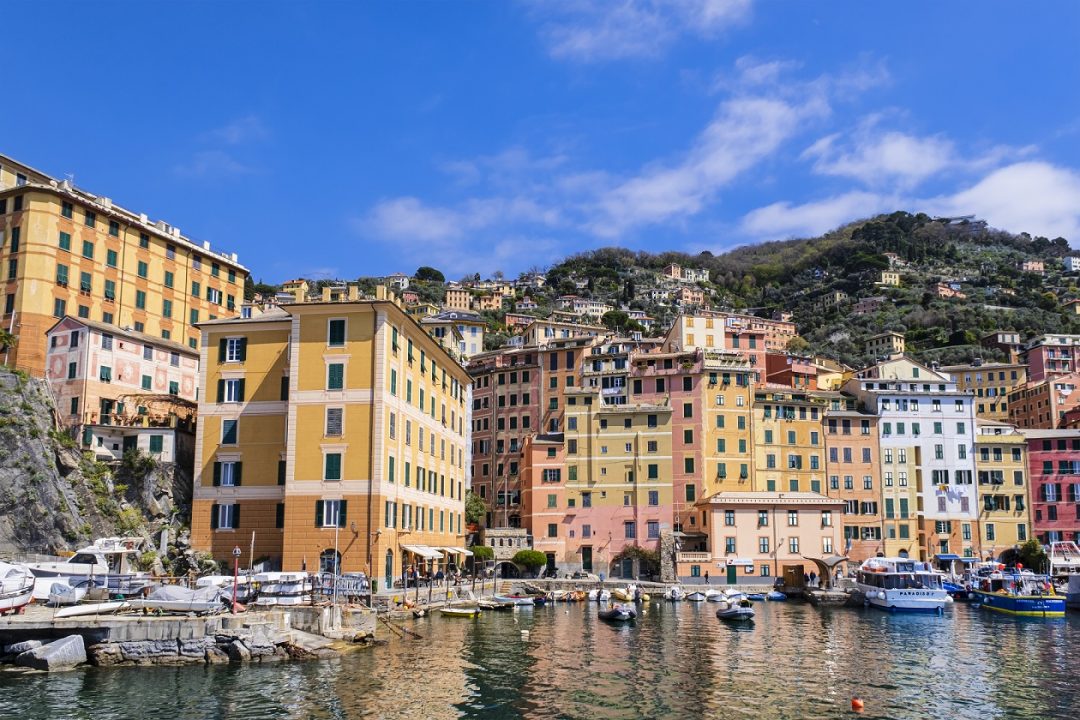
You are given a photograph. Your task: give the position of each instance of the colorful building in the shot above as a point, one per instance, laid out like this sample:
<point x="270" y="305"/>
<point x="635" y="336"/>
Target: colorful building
<point x="65" y="251"/>
<point x="992" y="384"/>
<point x="789" y="452"/>
<point x="1044" y="403"/>
<point x="1002" y="471"/>
<point x="853" y="464"/>
<point x="1054" y="479"/>
<point x="337" y="433"/>
<point x="1051" y="355"/>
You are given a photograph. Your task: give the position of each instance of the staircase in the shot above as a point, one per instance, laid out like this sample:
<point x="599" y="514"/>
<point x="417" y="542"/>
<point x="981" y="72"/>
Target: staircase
<point x="505" y="588"/>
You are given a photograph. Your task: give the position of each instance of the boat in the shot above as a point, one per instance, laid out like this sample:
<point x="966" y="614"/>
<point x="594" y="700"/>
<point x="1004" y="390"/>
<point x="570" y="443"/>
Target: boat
<point x="465" y="611"/>
<point x="714" y="595"/>
<point x="623" y="594"/>
<point x="178" y="599"/>
<point x="901" y="585"/>
<point x="735" y="606"/>
<point x="494" y="604"/>
<point x="956" y="590"/>
<point x="522" y="600"/>
<point x="674" y="593"/>
<point x="100" y="608"/>
<point x="695" y="596"/>
<point x="1019" y="592"/>
<point x="109" y="562"/>
<point x="16" y="588"/>
<point x="599" y="595"/>
<point x="756" y="597"/>
<point x="618" y="613"/>
<point x="282" y="588"/>
<point x="1064" y="559"/>
<point x="246" y="588"/>
<point x="61" y="593"/>
<point x="1072" y="597"/>
<point x="775" y="596"/>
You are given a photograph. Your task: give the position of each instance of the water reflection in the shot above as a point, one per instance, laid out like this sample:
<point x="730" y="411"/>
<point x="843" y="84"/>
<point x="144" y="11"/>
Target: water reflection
<point x="677" y="660"/>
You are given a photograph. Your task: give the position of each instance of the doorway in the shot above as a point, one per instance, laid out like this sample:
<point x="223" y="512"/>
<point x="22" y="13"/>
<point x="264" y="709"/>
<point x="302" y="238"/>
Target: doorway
<point x="732" y="574"/>
<point x="586" y="559"/>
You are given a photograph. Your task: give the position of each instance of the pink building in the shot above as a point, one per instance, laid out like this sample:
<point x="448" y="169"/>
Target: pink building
<point x="121" y="389"/>
<point x="1049" y="355"/>
<point x="1054" y="481"/>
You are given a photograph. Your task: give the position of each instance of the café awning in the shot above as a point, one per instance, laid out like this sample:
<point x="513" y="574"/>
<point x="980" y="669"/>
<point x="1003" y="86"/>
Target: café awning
<point x="428" y="553"/>
<point x="947" y="557"/>
<point x="457" y="551"/>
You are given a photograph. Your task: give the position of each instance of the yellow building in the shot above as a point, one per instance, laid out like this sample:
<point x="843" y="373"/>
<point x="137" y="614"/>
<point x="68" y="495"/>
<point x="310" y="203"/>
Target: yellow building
<point x="457" y="299"/>
<point x="887" y="343"/>
<point x="991" y="383"/>
<point x="349" y="423"/>
<point x="726" y="423"/>
<point x="890" y="278"/>
<point x="1001" y="465"/>
<point x="690" y="332"/>
<point x="64" y="251"/>
<point x="789" y="452"/>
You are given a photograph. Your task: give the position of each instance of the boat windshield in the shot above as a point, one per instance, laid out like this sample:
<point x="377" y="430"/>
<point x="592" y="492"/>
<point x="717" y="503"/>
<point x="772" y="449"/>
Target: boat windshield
<point x="83" y="559"/>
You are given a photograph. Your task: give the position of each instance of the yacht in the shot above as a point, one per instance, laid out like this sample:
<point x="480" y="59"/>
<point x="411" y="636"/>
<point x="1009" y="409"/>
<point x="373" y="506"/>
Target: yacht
<point x="1064" y="560"/>
<point x="109" y="562"/>
<point x="901" y="585"/>
<point x="16" y="588"/>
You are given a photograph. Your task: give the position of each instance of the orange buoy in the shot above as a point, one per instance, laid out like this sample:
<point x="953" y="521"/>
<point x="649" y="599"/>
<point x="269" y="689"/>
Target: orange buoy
<point x="856" y="705"/>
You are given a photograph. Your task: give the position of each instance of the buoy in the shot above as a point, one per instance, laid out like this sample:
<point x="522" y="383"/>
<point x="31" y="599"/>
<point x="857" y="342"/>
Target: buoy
<point x="857" y="705"/>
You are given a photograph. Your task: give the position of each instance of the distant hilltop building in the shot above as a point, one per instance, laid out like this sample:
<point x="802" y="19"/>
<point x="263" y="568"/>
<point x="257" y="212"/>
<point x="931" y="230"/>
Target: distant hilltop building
<point x="690" y="275"/>
<point x="1071" y="264"/>
<point x="885" y="344"/>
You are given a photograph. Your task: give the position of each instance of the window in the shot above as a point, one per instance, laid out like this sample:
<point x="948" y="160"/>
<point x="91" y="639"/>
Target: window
<point x="90" y="219"/>
<point x="62" y="275"/>
<point x="166" y="308"/>
<point x="729" y="518"/>
<point x="106" y="341"/>
<point x="230" y="431"/>
<point x="225" y="517"/>
<point x="66" y="209"/>
<point x="334" y="420"/>
<point x="688" y="465"/>
<point x="168" y="279"/>
<point x="227" y="474"/>
<point x="213" y="295"/>
<point x="65" y="241"/>
<point x="231" y="390"/>
<point x="793" y="545"/>
<point x="196" y="289"/>
<point x="336" y="333"/>
<point x="629" y="530"/>
<point x="140" y="299"/>
<point x="110" y="289"/>
<point x="59" y="306"/>
<point x="332" y="513"/>
<point x="793" y="518"/>
<point x="332" y="466"/>
<point x="729" y="546"/>
<point x="335" y="377"/>
<point x="147" y="382"/>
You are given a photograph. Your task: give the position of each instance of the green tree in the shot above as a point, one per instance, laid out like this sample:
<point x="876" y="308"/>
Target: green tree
<point x="474" y="507"/>
<point x="7" y="339"/>
<point x="429" y="274"/>
<point x="615" y="320"/>
<point x="249" y="289"/>
<point x="797" y="345"/>
<point x="482" y="553"/>
<point x="531" y="560"/>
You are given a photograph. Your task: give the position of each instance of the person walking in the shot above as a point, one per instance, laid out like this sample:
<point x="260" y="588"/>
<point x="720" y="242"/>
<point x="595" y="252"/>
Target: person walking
<point x="706" y="577"/>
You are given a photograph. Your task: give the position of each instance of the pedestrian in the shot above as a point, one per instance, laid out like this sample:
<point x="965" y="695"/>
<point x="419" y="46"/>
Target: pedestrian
<point x="813" y="578"/>
<point x="706" y="577"/>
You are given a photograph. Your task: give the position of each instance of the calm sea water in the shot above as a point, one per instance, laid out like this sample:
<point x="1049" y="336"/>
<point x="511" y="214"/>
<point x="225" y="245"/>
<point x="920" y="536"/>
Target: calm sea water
<point x="677" y="661"/>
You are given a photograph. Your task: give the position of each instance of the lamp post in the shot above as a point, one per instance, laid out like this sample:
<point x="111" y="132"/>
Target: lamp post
<point x="236" y="553"/>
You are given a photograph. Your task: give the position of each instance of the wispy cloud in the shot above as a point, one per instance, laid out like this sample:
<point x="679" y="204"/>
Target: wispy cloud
<point x="784" y="219"/>
<point x="212" y="164"/>
<point x="246" y="129"/>
<point x="594" y="30"/>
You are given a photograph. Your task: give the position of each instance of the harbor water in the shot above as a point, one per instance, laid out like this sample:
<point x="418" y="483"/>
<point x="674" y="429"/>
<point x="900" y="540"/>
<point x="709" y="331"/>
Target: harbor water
<point x="560" y="661"/>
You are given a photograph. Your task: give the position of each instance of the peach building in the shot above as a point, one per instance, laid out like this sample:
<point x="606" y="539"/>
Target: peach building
<point x="853" y="466"/>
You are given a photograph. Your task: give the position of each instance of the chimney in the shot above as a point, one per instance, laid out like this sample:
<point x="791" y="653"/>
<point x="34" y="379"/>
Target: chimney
<point x="380" y="292"/>
<point x="326" y="294"/>
<point x="353" y="293"/>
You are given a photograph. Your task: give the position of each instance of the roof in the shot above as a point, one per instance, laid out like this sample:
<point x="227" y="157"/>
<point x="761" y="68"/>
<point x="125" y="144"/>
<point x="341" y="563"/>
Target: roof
<point x="886" y="334"/>
<point x="122" y="332"/>
<point x="1047" y="434"/>
<point x="453" y="316"/>
<point x="273" y="314"/>
<point x="771" y="498"/>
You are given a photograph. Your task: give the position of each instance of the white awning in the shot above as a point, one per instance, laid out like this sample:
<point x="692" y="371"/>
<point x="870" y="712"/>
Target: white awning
<point x="423" y="551"/>
<point x="458" y="551"/>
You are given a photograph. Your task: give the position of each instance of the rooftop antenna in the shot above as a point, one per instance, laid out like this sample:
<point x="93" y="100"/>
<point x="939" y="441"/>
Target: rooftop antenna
<point x="70" y="177"/>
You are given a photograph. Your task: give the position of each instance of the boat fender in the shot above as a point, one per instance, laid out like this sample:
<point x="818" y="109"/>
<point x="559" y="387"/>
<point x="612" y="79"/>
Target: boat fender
<point x="857" y="705"/>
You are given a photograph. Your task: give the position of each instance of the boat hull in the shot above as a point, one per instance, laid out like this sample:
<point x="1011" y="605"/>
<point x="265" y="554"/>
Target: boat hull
<point x="460" y="612"/>
<point x="915" y="601"/>
<point x="735" y="614"/>
<point x="14" y="600"/>
<point x="1024" y="606"/>
<point x="618" y="615"/>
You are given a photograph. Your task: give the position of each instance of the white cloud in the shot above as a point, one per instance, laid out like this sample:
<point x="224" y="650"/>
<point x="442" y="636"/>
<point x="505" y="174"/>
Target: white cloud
<point x="783" y="220"/>
<point x="212" y="164"/>
<point x="889" y="158"/>
<point x="591" y="30"/>
<point x="249" y="128"/>
<point x="1034" y="197"/>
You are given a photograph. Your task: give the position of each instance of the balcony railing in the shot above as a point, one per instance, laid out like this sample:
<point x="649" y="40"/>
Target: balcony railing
<point x="693" y="557"/>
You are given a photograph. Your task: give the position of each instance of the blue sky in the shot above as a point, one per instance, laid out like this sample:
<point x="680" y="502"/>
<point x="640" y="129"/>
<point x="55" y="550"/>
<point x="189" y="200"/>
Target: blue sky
<point x="344" y="139"/>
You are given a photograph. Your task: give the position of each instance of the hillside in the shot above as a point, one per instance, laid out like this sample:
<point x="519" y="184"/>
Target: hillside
<point x="980" y="269"/>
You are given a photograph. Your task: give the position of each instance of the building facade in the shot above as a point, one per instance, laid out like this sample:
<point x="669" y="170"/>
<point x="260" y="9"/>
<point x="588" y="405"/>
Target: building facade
<point x="1054" y="477"/>
<point x="1001" y="467"/>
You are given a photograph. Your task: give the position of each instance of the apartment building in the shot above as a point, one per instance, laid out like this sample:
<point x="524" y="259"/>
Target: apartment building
<point x="853" y="465"/>
<point x="337" y="432"/>
<point x="1050" y="355"/>
<point x="789" y="452"/>
<point x="65" y="251"/>
<point x="1044" y="403"/>
<point x="458" y="299"/>
<point x="540" y="332"/>
<point x="885" y="344"/>
<point x="1054" y="480"/>
<point x="1001" y="466"/>
<point x="470" y="329"/>
<point x="119" y="390"/>
<point x="992" y="383"/>
<point x="790" y="370"/>
<point x="927" y="431"/>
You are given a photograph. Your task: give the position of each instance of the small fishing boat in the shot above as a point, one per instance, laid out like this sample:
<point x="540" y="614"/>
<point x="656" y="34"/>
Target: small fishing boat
<point x="674" y="593"/>
<point x="695" y="596"/>
<point x="756" y="597"/>
<point x="600" y="595"/>
<point x="1019" y="592"/>
<point x="495" y="604"/>
<point x="466" y="611"/>
<point x="735" y="608"/>
<point x="101" y="608"/>
<point x="714" y="596"/>
<point x="623" y="594"/>
<point x="62" y="594"/>
<point x="618" y="613"/>
<point x="775" y="596"/>
<point x="16" y="588"/>
<point x="178" y="599"/>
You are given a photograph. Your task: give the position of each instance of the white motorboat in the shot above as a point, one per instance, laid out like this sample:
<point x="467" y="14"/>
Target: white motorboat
<point x="735" y="606"/>
<point x="60" y="594"/>
<point x="599" y="595"/>
<point x="695" y="596"/>
<point x="901" y="584"/>
<point x="714" y="595"/>
<point x="110" y="560"/>
<point x="674" y="593"/>
<point x="16" y="587"/>
<point x="282" y="588"/>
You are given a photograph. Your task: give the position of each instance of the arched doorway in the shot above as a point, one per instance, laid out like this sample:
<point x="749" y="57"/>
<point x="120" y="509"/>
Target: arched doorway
<point x="389" y="578"/>
<point x="507" y="569"/>
<point x="330" y="561"/>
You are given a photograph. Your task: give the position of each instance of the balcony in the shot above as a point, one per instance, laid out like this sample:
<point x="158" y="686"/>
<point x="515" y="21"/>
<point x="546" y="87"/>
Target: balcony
<point x="694" y="557"/>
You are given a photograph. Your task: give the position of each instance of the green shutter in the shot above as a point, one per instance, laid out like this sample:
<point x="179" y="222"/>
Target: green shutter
<point x="222" y="344"/>
<point x="342" y="512"/>
<point x="217" y="474"/>
<point x="243" y="349"/>
<point x="221" y="391"/>
<point x="285" y="388"/>
<point x="214" y="517"/>
<point x="236" y="517"/>
<point x="333" y="466"/>
<point x="336" y="377"/>
<point x="279" y="521"/>
<point x="318" y="513"/>
<point x="240" y="390"/>
<point x="281" y="472"/>
<point x="237" y="468"/>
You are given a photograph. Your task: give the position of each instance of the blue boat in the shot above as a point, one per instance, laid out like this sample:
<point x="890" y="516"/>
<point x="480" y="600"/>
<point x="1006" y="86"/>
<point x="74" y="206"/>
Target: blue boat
<point x="756" y="597"/>
<point x="776" y="596"/>
<point x="1019" y="593"/>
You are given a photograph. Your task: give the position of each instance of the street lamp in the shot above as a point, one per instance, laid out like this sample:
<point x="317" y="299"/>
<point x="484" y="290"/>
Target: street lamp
<point x="236" y="553"/>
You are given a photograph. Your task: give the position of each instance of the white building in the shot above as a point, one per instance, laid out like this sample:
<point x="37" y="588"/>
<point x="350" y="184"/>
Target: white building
<point x="1072" y="264"/>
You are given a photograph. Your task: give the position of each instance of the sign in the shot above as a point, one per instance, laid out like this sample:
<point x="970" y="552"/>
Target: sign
<point x="740" y="562"/>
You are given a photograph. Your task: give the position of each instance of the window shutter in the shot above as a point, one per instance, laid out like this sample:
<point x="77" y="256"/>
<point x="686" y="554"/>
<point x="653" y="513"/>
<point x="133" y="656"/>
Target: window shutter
<point x="222" y="345"/>
<point x="240" y="390"/>
<point x="217" y="474"/>
<point x="318" y="513"/>
<point x="236" y="517"/>
<point x="236" y="472"/>
<point x="342" y="509"/>
<point x="279" y="521"/>
<point x="243" y="349"/>
<point x="214" y="515"/>
<point x="285" y="388"/>
<point x="281" y="472"/>
<point x="221" y="391"/>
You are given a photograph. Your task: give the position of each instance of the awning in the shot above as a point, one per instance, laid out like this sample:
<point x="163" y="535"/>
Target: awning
<point x="457" y="551"/>
<point x="947" y="556"/>
<point x="423" y="551"/>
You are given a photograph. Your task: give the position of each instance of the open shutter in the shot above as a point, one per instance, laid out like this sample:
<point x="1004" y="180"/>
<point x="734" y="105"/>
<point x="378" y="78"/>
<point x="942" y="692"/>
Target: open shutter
<point x="222" y="345"/>
<point x="342" y="509"/>
<point x="217" y="474"/>
<point x="236" y="517"/>
<point x="237" y="467"/>
<point x="318" y="513"/>
<point x="221" y="391"/>
<point x="279" y="521"/>
<point x="285" y="388"/>
<point x="281" y="472"/>
<point x="243" y="349"/>
<point x="214" y="516"/>
<point x="240" y="390"/>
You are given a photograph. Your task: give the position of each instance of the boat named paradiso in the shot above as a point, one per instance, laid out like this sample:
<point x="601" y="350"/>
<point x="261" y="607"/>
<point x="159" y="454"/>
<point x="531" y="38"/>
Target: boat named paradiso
<point x="902" y="585"/>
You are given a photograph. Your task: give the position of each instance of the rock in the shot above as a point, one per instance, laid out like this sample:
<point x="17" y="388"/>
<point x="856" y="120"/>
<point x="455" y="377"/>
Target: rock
<point x="149" y="651"/>
<point x="238" y="652"/>
<point x="105" y="654"/>
<point x="196" y="647"/>
<point x="21" y="647"/>
<point x="216" y="656"/>
<point x="59" y="655"/>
